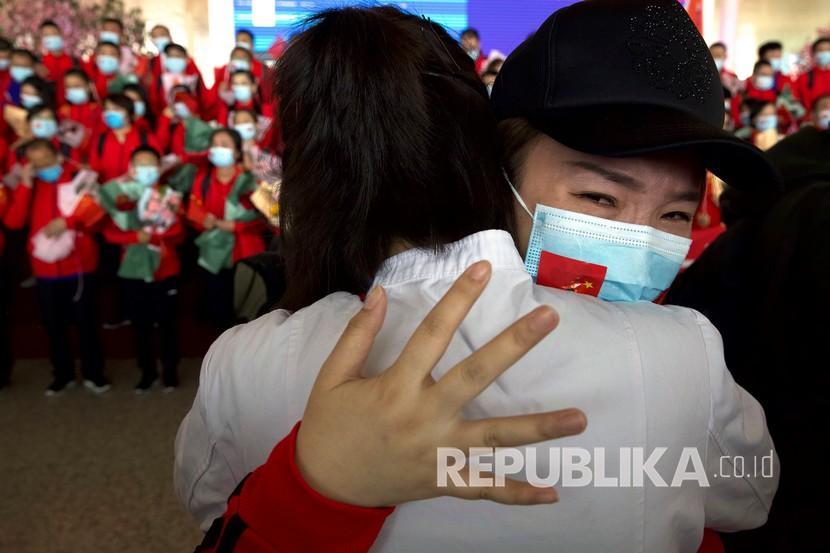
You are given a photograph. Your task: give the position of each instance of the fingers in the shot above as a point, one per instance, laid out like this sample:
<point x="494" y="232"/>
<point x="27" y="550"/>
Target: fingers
<point x="472" y="375"/>
<point x="514" y="492"/>
<point x="354" y="345"/>
<point x="430" y="340"/>
<point x="520" y="430"/>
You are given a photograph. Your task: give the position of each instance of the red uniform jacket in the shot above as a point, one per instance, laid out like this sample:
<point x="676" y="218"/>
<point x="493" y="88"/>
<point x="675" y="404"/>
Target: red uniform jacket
<point x="111" y="158"/>
<point x="5" y="79"/>
<point x="812" y="85"/>
<point x="208" y="195"/>
<point x="274" y="510"/>
<point x="56" y="66"/>
<point x="752" y="93"/>
<point x="170" y="135"/>
<point x="88" y="115"/>
<point x="17" y="155"/>
<point x="39" y="206"/>
<point x="158" y="98"/>
<point x="169" y="264"/>
<point x="224" y="111"/>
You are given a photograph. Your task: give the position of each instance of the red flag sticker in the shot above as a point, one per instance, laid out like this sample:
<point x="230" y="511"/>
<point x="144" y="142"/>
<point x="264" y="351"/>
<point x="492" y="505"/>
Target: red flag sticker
<point x="556" y="271"/>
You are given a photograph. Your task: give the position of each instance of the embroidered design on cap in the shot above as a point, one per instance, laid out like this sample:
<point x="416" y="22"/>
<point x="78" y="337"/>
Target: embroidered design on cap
<point x="670" y="52"/>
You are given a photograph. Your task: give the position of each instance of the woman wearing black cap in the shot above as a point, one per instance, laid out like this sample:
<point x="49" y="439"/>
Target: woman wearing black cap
<point x="647" y="376"/>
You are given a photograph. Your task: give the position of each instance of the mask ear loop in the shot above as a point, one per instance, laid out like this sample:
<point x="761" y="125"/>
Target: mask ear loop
<point x="516" y="194"/>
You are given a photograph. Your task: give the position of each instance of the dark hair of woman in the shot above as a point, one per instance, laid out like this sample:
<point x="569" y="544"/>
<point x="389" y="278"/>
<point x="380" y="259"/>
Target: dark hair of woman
<point x="389" y="139"/>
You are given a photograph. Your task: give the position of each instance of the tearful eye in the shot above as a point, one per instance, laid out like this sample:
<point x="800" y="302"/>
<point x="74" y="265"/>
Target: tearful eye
<point x="678" y="216"/>
<point x="599" y="199"/>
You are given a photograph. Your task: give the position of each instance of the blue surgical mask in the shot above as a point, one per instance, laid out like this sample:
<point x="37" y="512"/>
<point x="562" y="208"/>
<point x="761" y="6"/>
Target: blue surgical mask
<point x="823" y="122"/>
<point x="147" y="175"/>
<point x="114" y="119"/>
<point x="109" y="36"/>
<point x="244" y="44"/>
<point x="776" y="64"/>
<point x="20" y="73"/>
<point x="242" y="93"/>
<point x="4" y="64"/>
<point x="181" y="110"/>
<point x="161" y="42"/>
<point x="639" y="262"/>
<point x="246" y="130"/>
<point x="77" y="95"/>
<point x="474" y="54"/>
<point x="764" y="82"/>
<point x="29" y="101"/>
<point x="51" y="173"/>
<point x="139" y="108"/>
<point x="53" y="43"/>
<point x="823" y="58"/>
<point x="221" y="156"/>
<point x="44" y="128"/>
<point x="107" y="64"/>
<point x="719" y="64"/>
<point x="766" y="122"/>
<point x="175" y="65"/>
<point x="240" y="65"/>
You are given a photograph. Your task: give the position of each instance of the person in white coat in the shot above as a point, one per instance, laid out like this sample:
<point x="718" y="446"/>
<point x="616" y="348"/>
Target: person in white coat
<point x="650" y="378"/>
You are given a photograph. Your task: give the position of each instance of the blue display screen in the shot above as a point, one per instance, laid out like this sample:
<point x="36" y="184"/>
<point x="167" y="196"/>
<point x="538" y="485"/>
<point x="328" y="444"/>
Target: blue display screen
<point x="502" y="24"/>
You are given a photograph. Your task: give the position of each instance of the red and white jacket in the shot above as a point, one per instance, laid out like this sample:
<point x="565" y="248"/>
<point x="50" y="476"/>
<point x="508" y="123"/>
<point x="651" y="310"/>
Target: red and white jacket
<point x="38" y="206"/>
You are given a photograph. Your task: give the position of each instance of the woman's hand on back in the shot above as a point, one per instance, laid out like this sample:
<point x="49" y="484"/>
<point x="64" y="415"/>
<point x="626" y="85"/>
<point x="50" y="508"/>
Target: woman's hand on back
<point x="373" y="441"/>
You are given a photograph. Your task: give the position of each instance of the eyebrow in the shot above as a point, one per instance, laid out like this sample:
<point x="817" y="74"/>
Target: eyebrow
<point x="608" y="174"/>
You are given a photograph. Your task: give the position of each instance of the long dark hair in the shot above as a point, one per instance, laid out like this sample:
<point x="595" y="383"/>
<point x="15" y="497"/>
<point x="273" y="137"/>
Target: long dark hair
<point x="389" y="137"/>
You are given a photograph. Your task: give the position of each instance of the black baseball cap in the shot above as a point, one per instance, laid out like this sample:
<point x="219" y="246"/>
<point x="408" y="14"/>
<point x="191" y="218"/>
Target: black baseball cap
<point x="624" y="78"/>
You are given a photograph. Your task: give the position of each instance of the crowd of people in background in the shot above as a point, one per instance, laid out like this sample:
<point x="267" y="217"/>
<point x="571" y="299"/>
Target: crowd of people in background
<point x="771" y="104"/>
<point x="123" y="157"/>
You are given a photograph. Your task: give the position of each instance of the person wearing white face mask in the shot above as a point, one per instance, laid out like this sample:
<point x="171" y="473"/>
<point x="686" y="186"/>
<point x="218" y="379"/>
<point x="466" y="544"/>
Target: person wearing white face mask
<point x="763" y="124"/>
<point x="230" y="228"/>
<point x="160" y="37"/>
<point x="21" y="67"/>
<point x="245" y="41"/>
<point x="773" y="53"/>
<point x="55" y="58"/>
<point x="144" y="220"/>
<point x="259" y="158"/>
<point x="105" y="69"/>
<point x="762" y="84"/>
<point x="821" y="113"/>
<point x="177" y="69"/>
<point x="414" y="227"/>
<point x="240" y="60"/>
<point x="471" y="43"/>
<point x="729" y="79"/>
<point x="243" y="94"/>
<point x="815" y="83"/>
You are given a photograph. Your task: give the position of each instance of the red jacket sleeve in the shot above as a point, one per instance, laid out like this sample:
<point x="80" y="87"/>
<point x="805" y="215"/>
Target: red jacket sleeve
<point x="275" y="510"/>
<point x="116" y="235"/>
<point x="18" y="210"/>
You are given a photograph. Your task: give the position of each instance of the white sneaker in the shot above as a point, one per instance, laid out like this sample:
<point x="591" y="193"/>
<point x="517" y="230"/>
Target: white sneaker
<point x="99" y="387"/>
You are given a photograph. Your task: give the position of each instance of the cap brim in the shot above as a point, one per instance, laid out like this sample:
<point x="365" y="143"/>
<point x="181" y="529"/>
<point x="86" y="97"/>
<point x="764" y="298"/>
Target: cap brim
<point x="631" y="130"/>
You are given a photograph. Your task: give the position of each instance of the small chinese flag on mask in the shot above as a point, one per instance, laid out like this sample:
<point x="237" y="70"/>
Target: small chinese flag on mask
<point x="565" y="273"/>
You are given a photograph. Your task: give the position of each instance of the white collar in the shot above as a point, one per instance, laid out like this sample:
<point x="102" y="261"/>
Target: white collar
<point x="496" y="246"/>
